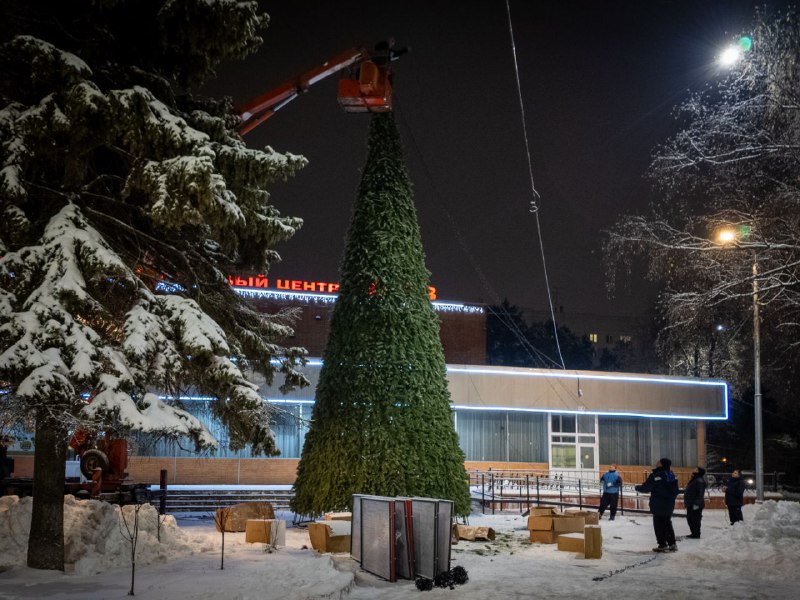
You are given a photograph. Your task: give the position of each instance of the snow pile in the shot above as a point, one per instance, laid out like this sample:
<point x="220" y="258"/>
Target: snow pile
<point x="773" y="522"/>
<point x="764" y="546"/>
<point x="95" y="536"/>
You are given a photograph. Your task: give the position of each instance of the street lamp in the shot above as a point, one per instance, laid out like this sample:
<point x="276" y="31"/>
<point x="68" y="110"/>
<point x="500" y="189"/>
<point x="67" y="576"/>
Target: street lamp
<point x="730" y="56"/>
<point x="735" y="52"/>
<point x="728" y="236"/>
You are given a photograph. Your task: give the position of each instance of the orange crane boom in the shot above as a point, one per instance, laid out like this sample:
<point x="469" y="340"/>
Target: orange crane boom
<point x="368" y="89"/>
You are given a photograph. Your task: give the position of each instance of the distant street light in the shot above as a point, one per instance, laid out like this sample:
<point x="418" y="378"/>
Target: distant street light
<point x="727" y="236"/>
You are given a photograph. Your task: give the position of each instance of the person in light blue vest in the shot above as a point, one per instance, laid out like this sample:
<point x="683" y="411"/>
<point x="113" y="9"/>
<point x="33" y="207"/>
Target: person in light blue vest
<point x="610" y="484"/>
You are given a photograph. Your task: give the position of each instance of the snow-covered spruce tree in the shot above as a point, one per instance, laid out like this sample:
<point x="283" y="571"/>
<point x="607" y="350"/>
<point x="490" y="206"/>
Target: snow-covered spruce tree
<point x="112" y="176"/>
<point x="382" y="422"/>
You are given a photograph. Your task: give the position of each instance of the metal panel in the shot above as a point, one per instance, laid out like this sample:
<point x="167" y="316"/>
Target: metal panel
<point x="377" y="536"/>
<point x="355" y="529"/>
<point x="625" y="394"/>
<point x="558" y="390"/>
<point x="423" y="517"/>
<point x="444" y="509"/>
<point x="404" y="553"/>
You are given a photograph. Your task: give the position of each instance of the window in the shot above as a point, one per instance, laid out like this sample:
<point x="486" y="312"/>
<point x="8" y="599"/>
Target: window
<point x="609" y="339"/>
<point x="563" y="456"/>
<point x="593" y="338"/>
<point x="563" y="423"/>
<point x="586" y="423"/>
<point x="571" y="437"/>
<point x="500" y="435"/>
<point x="625" y="441"/>
<point x="625" y="339"/>
<point x="482" y="434"/>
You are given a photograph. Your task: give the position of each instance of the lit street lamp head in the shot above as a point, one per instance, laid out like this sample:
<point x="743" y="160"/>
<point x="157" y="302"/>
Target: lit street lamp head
<point x="726" y="236"/>
<point x="730" y="56"/>
<point x="735" y="52"/>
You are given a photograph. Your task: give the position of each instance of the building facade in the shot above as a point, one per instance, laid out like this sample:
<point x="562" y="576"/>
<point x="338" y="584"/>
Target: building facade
<point x="573" y="423"/>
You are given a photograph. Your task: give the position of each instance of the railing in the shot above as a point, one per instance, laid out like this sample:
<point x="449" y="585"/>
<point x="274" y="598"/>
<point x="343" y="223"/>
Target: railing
<point x="539" y="488"/>
<point x="773" y="481"/>
<point x="208" y="500"/>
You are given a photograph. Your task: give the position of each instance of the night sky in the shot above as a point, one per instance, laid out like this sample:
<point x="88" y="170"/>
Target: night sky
<point x="599" y="81"/>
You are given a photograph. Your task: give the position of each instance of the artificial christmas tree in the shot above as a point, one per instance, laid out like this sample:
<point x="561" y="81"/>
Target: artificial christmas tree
<point x="382" y="422"/>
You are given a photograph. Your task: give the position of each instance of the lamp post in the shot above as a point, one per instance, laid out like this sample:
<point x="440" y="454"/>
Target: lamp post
<point x="728" y="236"/>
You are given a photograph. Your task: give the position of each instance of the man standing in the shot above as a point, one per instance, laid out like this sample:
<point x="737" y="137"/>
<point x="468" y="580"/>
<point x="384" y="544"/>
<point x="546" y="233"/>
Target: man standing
<point x="610" y="484"/>
<point x="694" y="500"/>
<point x="662" y="485"/>
<point x="734" y="497"/>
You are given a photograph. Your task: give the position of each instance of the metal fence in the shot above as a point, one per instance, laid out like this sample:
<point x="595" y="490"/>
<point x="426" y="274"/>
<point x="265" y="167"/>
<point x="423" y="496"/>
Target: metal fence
<point x="495" y="489"/>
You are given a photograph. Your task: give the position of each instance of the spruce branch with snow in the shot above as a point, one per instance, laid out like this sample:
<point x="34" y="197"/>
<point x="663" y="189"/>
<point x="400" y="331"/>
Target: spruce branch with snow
<point x="115" y="178"/>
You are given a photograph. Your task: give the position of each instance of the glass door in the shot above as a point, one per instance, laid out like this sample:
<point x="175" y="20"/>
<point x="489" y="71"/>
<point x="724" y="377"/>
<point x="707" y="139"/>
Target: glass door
<point x="587" y="458"/>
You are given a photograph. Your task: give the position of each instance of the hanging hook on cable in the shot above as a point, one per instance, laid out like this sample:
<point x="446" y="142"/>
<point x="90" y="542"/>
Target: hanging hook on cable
<point x="533" y="207"/>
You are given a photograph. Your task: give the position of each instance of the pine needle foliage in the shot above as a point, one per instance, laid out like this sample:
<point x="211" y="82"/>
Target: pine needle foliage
<point x="116" y="177"/>
<point x="382" y="422"/>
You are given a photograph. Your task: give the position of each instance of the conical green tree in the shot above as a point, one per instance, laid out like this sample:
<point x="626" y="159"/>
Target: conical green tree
<point x="382" y="422"/>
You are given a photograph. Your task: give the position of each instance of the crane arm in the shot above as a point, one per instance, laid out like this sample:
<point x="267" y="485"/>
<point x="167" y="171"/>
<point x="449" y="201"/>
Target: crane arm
<point x="258" y="110"/>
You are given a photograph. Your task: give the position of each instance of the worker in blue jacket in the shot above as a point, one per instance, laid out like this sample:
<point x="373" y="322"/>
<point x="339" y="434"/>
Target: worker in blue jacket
<point x="610" y="485"/>
<point x="662" y="485"/>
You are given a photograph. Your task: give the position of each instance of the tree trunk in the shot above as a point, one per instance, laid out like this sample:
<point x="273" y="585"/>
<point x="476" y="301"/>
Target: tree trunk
<point x="46" y="542"/>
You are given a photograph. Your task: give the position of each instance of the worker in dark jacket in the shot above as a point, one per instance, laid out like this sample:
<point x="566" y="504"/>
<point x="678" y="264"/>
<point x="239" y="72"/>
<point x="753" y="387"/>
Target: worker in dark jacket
<point x="734" y="497"/>
<point x="662" y="485"/>
<point x="694" y="500"/>
<point x="610" y="484"/>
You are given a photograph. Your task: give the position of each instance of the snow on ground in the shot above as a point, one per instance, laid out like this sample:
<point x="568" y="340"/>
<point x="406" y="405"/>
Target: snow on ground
<point x="754" y="559"/>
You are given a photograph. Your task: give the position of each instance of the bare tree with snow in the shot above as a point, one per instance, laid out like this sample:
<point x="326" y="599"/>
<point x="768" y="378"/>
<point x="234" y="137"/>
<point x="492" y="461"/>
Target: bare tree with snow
<point x="125" y="201"/>
<point x="734" y="167"/>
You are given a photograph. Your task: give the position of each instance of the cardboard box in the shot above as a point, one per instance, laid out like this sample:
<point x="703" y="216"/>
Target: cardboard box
<point x="562" y="524"/>
<point x="324" y="539"/>
<point x="266" y="531"/>
<point x="571" y="542"/>
<point x="339" y="516"/>
<point x="592" y="518"/>
<point x="593" y="547"/>
<point x="234" y="518"/>
<point x="471" y="534"/>
<point x="542" y="512"/>
<point x="540" y="523"/>
<point x="543" y="537"/>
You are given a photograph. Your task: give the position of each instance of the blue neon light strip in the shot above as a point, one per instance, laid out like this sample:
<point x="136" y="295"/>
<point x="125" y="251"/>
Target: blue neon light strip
<point x="270" y="400"/>
<point x="331" y="298"/>
<point x="569" y="375"/>
<point x="555" y="375"/>
<point x="599" y="413"/>
<point x="311" y="362"/>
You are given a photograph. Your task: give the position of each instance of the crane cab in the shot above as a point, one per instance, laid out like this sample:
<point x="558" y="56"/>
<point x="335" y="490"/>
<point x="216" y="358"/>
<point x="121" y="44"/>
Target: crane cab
<point x="367" y="90"/>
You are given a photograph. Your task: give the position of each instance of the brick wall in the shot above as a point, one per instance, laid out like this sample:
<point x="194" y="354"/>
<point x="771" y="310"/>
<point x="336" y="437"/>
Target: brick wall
<point x="267" y="471"/>
<point x="23" y="464"/>
<point x="476" y="465"/>
<point x="223" y="471"/>
<point x="463" y="335"/>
